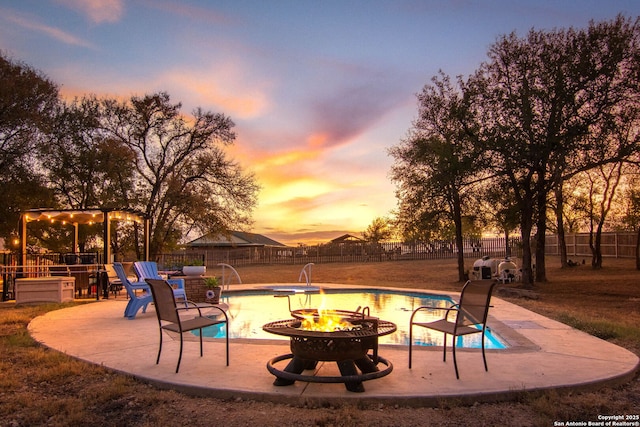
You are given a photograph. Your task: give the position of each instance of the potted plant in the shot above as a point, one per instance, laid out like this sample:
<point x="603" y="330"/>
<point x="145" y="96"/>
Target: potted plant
<point x="213" y="289"/>
<point x="194" y="267"/>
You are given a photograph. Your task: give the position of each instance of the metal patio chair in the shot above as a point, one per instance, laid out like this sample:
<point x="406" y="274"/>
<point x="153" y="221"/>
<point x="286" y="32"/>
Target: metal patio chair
<point x="169" y="316"/>
<point x="470" y="318"/>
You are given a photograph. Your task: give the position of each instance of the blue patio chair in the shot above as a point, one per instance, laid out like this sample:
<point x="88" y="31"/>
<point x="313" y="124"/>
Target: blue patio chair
<point x="149" y="270"/>
<point x="136" y="301"/>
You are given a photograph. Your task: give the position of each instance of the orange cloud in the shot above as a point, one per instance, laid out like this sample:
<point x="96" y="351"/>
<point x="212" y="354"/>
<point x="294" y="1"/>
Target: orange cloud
<point x="206" y="88"/>
<point x="291" y="159"/>
<point x="317" y="140"/>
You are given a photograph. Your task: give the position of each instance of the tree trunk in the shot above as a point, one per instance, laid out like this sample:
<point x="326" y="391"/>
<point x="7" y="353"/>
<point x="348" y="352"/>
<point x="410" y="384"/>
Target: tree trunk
<point x="562" y="241"/>
<point x="541" y="275"/>
<point x="457" y="220"/>
<point x="136" y="236"/>
<point x="507" y="244"/>
<point x="527" y="268"/>
<point x="596" y="250"/>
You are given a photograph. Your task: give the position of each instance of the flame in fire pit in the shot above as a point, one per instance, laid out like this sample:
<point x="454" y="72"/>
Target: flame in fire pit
<point x="325" y="320"/>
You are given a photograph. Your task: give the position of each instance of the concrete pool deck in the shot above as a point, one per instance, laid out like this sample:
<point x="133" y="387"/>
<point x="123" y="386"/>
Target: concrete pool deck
<point x="544" y="354"/>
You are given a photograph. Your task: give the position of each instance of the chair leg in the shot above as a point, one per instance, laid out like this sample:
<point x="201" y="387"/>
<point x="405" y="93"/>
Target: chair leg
<point x="159" y="348"/>
<point x="444" y="348"/>
<point x="226" y="326"/>
<point x="483" y="355"/>
<point x="455" y="362"/>
<point x="410" y="342"/>
<point x="180" y="356"/>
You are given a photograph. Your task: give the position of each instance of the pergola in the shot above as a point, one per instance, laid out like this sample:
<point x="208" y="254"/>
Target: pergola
<point x="85" y="216"/>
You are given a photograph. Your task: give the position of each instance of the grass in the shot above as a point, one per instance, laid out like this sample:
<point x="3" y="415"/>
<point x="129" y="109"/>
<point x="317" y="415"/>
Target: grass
<point x="602" y="328"/>
<point x="39" y="386"/>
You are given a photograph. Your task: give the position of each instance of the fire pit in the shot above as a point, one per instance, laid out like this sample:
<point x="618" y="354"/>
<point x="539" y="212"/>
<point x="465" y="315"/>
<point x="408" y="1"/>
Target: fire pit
<point x="340" y="336"/>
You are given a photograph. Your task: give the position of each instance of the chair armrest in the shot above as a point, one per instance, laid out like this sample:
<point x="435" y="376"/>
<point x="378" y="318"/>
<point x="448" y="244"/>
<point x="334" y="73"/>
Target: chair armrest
<point x="190" y="304"/>
<point x="201" y="305"/>
<point x="447" y="310"/>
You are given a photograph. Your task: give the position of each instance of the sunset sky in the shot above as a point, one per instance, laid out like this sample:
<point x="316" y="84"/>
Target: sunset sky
<point x="319" y="89"/>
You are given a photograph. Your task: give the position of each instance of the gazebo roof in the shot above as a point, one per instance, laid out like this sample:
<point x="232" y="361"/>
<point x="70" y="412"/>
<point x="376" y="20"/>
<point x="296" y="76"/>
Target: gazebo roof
<point x="82" y="216"/>
<point x="85" y="216"/>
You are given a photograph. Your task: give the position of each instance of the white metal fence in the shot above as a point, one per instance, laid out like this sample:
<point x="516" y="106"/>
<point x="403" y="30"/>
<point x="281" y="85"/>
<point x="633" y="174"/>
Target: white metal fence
<point x="358" y="251"/>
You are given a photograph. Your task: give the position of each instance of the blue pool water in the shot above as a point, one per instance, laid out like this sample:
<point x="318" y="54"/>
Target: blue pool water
<point x="249" y="310"/>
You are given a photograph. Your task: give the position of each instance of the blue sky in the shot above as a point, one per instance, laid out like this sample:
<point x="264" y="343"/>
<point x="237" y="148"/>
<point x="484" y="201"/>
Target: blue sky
<point x="319" y="90"/>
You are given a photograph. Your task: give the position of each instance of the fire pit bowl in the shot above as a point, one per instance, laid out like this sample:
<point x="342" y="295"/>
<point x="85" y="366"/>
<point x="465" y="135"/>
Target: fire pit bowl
<point x="349" y="348"/>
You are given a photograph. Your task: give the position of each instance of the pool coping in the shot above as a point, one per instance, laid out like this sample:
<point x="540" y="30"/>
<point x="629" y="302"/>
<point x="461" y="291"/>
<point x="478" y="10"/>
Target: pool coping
<point x="544" y="354"/>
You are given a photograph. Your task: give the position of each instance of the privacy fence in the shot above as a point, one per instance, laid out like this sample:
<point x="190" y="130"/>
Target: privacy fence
<point x="613" y="245"/>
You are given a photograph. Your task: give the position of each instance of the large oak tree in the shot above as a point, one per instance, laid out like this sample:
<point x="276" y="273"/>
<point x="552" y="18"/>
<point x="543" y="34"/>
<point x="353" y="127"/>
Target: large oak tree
<point x="184" y="180"/>
<point x="549" y="104"/>
<point x="436" y="166"/>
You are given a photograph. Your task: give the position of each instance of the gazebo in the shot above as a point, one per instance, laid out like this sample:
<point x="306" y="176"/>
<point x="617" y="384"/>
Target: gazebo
<point x="84" y="216"/>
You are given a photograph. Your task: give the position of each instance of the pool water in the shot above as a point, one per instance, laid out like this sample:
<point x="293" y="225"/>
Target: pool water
<point x="249" y="310"/>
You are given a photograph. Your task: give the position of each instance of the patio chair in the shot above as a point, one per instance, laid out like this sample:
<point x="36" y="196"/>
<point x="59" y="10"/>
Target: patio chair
<point x="470" y="318"/>
<point x="149" y="270"/>
<point x="169" y="316"/>
<point x="115" y="285"/>
<point x="136" y="301"/>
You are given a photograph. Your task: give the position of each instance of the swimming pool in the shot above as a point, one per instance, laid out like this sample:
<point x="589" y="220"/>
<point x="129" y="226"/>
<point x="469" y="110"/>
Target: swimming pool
<point x="249" y="310"/>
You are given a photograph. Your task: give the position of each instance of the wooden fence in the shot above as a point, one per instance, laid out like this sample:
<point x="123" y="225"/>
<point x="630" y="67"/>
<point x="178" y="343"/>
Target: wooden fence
<point x="616" y="245"/>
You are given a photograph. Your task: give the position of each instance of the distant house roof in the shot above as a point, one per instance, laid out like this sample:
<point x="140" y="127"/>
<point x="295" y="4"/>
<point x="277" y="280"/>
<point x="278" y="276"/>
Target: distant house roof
<point x="234" y="239"/>
<point x="346" y="238"/>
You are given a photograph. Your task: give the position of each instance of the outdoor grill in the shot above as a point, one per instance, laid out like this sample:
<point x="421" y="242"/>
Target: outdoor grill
<point x="349" y="348"/>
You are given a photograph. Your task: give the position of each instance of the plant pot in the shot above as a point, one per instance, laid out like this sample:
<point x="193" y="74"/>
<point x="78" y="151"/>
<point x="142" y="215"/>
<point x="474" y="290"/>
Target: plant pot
<point x="213" y="295"/>
<point x="194" y="270"/>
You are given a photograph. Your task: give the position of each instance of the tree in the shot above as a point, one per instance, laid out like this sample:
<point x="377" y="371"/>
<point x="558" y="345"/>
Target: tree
<point x="499" y="209"/>
<point x="184" y="180"/>
<point x="85" y="168"/>
<point x="631" y="217"/>
<point x="436" y="166"/>
<point x="380" y="229"/>
<point x="603" y="186"/>
<point x="548" y="103"/>
<point x="27" y="101"/>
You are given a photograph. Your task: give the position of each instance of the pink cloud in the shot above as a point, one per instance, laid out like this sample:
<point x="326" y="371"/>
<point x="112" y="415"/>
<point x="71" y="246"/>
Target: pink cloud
<point x="98" y="11"/>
